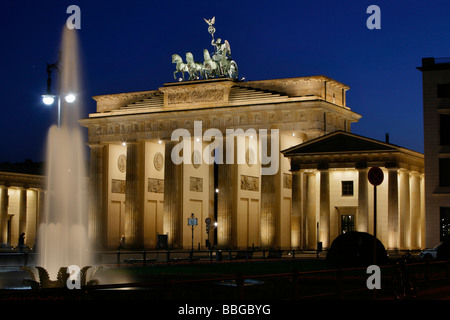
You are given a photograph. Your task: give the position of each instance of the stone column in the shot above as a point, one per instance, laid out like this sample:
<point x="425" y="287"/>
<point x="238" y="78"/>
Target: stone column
<point x="296" y="213"/>
<point x="40" y="207"/>
<point x="172" y="197"/>
<point x="269" y="205"/>
<point x="32" y="215"/>
<point x="3" y="215"/>
<point x="226" y="201"/>
<point x="22" y="210"/>
<point x="405" y="214"/>
<point x="97" y="220"/>
<point x="324" y="227"/>
<point x="415" y="210"/>
<point x="363" y="201"/>
<point x="393" y="217"/>
<point x="134" y="196"/>
<point x="310" y="210"/>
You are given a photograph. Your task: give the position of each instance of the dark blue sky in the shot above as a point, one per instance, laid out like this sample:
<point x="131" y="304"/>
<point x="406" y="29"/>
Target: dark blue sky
<point x="127" y="46"/>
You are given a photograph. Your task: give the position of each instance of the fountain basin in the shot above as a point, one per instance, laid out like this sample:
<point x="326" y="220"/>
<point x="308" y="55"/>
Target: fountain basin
<point x="40" y="279"/>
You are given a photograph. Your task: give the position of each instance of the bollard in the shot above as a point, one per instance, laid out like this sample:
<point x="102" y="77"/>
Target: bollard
<point x="296" y="284"/>
<point x="118" y="258"/>
<point x="168" y="288"/>
<point x="427" y="273"/>
<point x="447" y="266"/>
<point x="339" y="287"/>
<point x="240" y="284"/>
<point x="25" y="258"/>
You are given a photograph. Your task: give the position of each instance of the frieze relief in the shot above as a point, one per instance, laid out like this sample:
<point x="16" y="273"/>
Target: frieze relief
<point x="211" y="121"/>
<point x="118" y="186"/>
<point x="122" y="163"/>
<point x="155" y="185"/>
<point x="158" y="161"/>
<point x="124" y="128"/>
<point x="249" y="183"/>
<point x="195" y="96"/>
<point x="287" y="180"/>
<point x="196" y="184"/>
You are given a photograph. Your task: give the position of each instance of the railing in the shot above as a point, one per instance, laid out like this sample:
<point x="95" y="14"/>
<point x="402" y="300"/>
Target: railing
<point x="170" y="256"/>
<point x="349" y="283"/>
<point x="319" y="284"/>
<point x="136" y="257"/>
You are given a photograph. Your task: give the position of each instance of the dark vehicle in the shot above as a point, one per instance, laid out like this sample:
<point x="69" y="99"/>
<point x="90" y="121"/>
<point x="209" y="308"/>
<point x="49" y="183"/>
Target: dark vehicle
<point x="356" y="249"/>
<point x="439" y="252"/>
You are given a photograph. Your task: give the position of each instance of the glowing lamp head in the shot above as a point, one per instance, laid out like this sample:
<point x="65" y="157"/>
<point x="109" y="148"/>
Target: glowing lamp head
<point x="48" y="99"/>
<point x="70" y="98"/>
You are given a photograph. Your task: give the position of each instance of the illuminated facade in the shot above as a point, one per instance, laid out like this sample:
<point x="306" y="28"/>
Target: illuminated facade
<point x="436" y="119"/>
<point x="138" y="191"/>
<point x="332" y="193"/>
<point x="22" y="199"/>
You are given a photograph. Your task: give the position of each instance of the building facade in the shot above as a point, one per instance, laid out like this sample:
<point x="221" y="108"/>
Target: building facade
<point x="331" y="192"/>
<point x="436" y="120"/>
<point x="22" y="198"/>
<point x="150" y="171"/>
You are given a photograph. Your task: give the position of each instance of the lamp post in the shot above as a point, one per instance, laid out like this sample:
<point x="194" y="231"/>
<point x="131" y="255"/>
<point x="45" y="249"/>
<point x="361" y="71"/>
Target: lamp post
<point x="48" y="98"/>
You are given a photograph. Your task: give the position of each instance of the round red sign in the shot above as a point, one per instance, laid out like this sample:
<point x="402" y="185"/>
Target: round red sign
<point x="376" y="176"/>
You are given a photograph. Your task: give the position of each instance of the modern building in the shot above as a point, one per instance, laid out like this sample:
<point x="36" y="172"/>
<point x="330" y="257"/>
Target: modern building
<point x="436" y="121"/>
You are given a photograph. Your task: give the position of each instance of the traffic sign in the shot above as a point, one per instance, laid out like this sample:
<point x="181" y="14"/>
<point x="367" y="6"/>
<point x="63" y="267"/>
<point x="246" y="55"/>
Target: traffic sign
<point x="375" y="176"/>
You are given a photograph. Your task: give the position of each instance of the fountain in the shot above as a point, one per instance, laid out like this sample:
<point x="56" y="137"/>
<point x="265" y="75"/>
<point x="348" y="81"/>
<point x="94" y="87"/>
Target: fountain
<point x="62" y="234"/>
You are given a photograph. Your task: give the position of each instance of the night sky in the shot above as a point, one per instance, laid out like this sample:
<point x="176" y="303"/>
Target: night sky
<point x="127" y="46"/>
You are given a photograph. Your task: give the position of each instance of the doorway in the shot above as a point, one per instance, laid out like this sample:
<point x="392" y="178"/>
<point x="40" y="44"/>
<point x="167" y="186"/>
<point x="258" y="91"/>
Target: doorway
<point x="347" y="223"/>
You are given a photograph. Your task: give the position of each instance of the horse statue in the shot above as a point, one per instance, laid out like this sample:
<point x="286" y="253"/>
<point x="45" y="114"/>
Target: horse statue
<point x="195" y="69"/>
<point x="180" y="65"/>
<point x="210" y="66"/>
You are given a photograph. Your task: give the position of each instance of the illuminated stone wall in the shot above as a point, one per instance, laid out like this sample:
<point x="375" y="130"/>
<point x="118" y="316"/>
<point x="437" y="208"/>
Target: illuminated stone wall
<point x="253" y="209"/>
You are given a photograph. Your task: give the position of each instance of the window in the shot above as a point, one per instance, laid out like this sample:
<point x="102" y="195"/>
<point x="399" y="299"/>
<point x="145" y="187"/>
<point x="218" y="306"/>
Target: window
<point x="444" y="129"/>
<point x="444" y="172"/>
<point x="443" y="90"/>
<point x="347" y="223"/>
<point x="347" y="188"/>
<point x="445" y="223"/>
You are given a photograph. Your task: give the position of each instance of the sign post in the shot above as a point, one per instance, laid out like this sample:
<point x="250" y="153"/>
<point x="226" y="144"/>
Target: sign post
<point x="208" y="224"/>
<point x="192" y="222"/>
<point x="376" y="177"/>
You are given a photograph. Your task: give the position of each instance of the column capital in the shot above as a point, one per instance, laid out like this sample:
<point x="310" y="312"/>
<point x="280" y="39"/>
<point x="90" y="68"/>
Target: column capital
<point x="414" y="173"/>
<point x="96" y="145"/>
<point x="309" y="171"/>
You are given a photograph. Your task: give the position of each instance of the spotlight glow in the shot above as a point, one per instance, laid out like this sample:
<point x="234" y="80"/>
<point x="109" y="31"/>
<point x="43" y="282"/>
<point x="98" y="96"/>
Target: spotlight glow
<point x="70" y="98"/>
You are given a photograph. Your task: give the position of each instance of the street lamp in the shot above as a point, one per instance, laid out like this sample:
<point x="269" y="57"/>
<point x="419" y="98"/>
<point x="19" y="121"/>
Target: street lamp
<point x="48" y="98"/>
